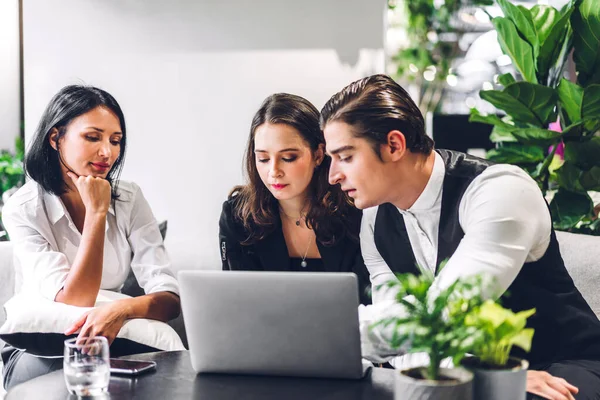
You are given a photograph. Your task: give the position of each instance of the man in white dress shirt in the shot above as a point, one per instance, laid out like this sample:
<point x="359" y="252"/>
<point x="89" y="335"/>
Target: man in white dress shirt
<point x="422" y="206"/>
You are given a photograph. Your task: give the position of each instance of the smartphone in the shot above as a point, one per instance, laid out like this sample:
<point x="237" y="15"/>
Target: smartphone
<point x="131" y="367"/>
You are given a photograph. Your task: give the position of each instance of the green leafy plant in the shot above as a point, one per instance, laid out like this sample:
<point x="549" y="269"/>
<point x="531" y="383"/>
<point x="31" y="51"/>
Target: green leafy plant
<point x="11" y="174"/>
<point x="434" y="324"/>
<point x="539" y="41"/>
<point x="496" y="331"/>
<point x="11" y="168"/>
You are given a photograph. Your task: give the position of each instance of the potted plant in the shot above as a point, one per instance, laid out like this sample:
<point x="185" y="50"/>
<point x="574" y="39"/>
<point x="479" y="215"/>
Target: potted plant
<point x="497" y="375"/>
<point x="432" y="322"/>
<point x="551" y="123"/>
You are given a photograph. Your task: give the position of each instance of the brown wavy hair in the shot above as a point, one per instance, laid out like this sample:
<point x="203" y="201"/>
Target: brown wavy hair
<point x="258" y="210"/>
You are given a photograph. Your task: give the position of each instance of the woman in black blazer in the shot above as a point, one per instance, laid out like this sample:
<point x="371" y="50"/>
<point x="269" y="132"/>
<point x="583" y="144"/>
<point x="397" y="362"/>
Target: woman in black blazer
<point x="287" y="217"/>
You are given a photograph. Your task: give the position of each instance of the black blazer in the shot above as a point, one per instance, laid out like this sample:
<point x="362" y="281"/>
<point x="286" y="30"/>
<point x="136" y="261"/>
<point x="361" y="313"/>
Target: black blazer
<point x="271" y="253"/>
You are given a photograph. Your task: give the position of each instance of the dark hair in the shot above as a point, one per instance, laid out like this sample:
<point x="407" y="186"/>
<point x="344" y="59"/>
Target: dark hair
<point x="257" y="209"/>
<point x="42" y="163"/>
<point x="375" y="106"/>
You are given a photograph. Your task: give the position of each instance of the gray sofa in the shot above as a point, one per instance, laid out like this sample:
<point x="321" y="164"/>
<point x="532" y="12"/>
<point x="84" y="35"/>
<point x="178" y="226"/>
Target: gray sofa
<point x="580" y="252"/>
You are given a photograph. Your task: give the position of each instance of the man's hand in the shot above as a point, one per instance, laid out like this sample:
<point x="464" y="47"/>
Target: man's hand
<point x="549" y="387"/>
<point x="101" y="321"/>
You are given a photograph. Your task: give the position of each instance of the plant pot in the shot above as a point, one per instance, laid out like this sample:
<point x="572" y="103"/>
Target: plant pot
<point x="498" y="384"/>
<point x="457" y="385"/>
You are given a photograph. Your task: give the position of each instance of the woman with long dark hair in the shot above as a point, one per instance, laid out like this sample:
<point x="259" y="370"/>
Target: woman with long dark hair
<point x="287" y="217"/>
<point x="77" y="229"/>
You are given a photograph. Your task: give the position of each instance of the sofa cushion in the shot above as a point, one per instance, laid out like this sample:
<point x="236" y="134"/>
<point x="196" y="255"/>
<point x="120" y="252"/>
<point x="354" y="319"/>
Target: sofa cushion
<point x="581" y="254"/>
<point x="36" y="325"/>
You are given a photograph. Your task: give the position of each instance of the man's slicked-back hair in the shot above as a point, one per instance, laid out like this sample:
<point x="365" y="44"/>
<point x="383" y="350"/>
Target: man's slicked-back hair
<point x="375" y="106"/>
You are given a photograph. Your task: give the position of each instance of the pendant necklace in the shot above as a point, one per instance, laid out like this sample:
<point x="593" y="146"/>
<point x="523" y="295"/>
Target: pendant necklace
<point x="296" y="220"/>
<point x="303" y="264"/>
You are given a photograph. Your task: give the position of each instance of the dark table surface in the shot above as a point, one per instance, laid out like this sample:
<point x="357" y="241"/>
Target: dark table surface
<point x="175" y="379"/>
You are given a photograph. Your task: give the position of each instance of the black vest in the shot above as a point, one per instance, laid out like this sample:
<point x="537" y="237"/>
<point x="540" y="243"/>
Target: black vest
<point x="565" y="326"/>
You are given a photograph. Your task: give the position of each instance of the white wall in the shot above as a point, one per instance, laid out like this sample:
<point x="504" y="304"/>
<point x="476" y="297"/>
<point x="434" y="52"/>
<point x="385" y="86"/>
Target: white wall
<point x="189" y="76"/>
<point x="10" y="97"/>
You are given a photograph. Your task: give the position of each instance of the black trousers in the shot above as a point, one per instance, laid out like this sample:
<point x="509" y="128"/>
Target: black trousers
<point x="20" y="367"/>
<point x="585" y="374"/>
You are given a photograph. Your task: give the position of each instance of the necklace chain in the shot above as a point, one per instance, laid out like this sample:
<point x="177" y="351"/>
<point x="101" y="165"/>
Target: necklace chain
<point x="300" y="217"/>
<point x="303" y="264"/>
<point x="306" y="252"/>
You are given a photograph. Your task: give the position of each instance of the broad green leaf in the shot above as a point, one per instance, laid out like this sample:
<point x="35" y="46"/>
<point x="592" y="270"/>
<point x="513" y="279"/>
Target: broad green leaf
<point x="519" y="51"/>
<point x="536" y="136"/>
<point x="583" y="154"/>
<point x="590" y="180"/>
<point x="519" y="319"/>
<point x="568" y="177"/>
<point x="502" y="135"/>
<point x="522" y="19"/>
<point x="541" y="100"/>
<point x="590" y="107"/>
<point x="488" y="119"/>
<point x="568" y="208"/>
<point x="523" y="339"/>
<point x="506" y="79"/>
<point x="551" y="47"/>
<point x="525" y="102"/>
<point x="543" y="18"/>
<point x="570" y="96"/>
<point x="586" y="41"/>
<point x="490" y="312"/>
<point x="527" y="13"/>
<point x="503" y="101"/>
<point x="516" y="154"/>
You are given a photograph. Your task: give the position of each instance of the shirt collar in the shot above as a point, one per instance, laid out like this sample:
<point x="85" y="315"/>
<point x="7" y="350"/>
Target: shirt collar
<point x="431" y="195"/>
<point x="56" y="209"/>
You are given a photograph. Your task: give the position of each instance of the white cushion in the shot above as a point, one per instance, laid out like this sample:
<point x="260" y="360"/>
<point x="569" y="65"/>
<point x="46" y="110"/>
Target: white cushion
<point x="36" y="325"/>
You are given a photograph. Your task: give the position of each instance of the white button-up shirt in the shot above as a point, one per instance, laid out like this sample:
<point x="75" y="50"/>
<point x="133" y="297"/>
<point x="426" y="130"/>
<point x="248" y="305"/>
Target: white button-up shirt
<point x="46" y="241"/>
<point x="506" y="223"/>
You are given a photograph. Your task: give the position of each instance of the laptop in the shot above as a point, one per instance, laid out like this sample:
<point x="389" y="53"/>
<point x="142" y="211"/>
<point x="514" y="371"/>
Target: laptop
<point x="272" y="323"/>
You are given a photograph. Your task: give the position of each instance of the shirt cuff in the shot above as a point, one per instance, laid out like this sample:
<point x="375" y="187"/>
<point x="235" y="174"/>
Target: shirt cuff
<point x="162" y="283"/>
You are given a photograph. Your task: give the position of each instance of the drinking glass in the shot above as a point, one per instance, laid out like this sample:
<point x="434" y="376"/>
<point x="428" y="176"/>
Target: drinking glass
<point x="86" y="365"/>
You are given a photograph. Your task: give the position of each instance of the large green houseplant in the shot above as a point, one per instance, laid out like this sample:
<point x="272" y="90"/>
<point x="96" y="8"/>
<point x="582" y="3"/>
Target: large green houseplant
<point x="539" y="41"/>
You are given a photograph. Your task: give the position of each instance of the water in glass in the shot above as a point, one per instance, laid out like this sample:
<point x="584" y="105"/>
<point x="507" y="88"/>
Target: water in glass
<point x="86" y="366"/>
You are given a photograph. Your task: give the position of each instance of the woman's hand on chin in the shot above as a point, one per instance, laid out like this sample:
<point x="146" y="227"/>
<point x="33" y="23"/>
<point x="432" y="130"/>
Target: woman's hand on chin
<point x="95" y="192"/>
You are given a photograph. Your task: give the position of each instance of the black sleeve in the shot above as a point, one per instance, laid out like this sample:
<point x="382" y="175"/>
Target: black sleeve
<point x="234" y="256"/>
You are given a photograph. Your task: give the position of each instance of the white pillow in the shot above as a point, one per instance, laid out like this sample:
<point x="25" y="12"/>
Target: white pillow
<point x="36" y="325"/>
